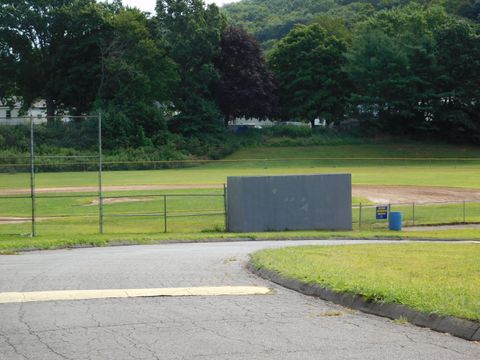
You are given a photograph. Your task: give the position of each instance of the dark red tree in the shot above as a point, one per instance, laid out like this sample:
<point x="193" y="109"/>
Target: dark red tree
<point x="246" y="86"/>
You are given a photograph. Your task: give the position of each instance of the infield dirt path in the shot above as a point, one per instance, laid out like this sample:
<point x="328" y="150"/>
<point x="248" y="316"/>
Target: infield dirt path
<point x="4" y="220"/>
<point x="93" y="189"/>
<point x="417" y="194"/>
<point x="374" y="193"/>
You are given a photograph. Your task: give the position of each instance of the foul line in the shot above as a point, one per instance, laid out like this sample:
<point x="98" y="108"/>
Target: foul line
<point x="68" y="295"/>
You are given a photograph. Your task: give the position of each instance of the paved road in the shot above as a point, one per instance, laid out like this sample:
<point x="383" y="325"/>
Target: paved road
<point x="285" y="325"/>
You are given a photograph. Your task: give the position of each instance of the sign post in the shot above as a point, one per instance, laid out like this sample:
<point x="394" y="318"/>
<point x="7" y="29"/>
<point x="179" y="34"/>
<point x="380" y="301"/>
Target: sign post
<point x="382" y="212"/>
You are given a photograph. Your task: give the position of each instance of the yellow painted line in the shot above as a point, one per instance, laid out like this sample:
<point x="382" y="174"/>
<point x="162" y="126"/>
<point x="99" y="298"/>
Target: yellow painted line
<point x="66" y="295"/>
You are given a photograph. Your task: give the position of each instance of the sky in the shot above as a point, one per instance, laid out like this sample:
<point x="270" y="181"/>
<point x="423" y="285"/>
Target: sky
<point x="149" y="5"/>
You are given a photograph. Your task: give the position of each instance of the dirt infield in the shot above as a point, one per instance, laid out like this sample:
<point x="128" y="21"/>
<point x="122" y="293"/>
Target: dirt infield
<point x="381" y="194"/>
<point x="109" y="201"/>
<point x="417" y="194"/>
<point x="94" y="189"/>
<point x="5" y="220"/>
<point x="374" y="193"/>
<point x="442" y="227"/>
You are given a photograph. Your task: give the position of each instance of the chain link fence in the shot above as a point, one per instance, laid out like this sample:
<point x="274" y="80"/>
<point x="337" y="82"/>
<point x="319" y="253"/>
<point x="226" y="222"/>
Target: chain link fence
<point x="93" y="207"/>
<point x="57" y="207"/>
<point x="418" y="214"/>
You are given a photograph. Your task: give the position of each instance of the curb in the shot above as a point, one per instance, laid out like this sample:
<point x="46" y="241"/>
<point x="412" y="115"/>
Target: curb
<point x="465" y="329"/>
<point x="119" y="243"/>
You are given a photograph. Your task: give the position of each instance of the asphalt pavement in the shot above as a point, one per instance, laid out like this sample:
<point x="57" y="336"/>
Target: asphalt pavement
<point x="279" y="325"/>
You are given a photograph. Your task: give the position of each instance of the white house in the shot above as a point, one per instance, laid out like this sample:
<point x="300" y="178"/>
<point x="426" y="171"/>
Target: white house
<point x="11" y="115"/>
<point x="258" y="124"/>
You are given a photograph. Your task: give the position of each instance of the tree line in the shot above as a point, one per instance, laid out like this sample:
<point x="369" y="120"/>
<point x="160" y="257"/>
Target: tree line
<point x="271" y="20"/>
<point x="176" y="78"/>
<point x="407" y="71"/>
<point x="172" y="78"/>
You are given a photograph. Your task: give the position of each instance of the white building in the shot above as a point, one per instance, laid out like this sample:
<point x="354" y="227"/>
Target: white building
<point x="11" y="115"/>
<point x="251" y="123"/>
<point x="258" y="124"/>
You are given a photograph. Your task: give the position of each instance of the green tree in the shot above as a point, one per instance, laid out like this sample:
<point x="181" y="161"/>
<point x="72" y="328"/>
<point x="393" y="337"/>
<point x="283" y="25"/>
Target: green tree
<point x="137" y="78"/>
<point x="334" y="26"/>
<point x="7" y="69"/>
<point x="192" y="32"/>
<point x="53" y="51"/>
<point x="378" y="68"/>
<point x="456" y="110"/>
<point x="308" y="64"/>
<point x="271" y="20"/>
<point x="352" y="13"/>
<point x="392" y="64"/>
<point x="415" y="70"/>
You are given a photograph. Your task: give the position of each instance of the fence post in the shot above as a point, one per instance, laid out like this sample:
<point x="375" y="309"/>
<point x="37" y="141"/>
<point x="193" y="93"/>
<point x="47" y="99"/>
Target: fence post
<point x="165" y="212"/>
<point x="464" y="212"/>
<point x="225" y="206"/>
<point x="413" y="213"/>
<point x="100" y="169"/>
<point x="360" y="216"/>
<point x="32" y="175"/>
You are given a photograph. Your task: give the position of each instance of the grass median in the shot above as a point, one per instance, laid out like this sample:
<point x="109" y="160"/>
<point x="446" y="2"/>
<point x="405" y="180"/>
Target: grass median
<point x="434" y="278"/>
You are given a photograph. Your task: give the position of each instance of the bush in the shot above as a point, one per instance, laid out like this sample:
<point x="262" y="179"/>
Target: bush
<point x="80" y="139"/>
<point x="291" y="131"/>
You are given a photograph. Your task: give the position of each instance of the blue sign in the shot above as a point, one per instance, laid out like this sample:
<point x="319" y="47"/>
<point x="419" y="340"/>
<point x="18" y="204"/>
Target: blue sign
<point x="382" y="212"/>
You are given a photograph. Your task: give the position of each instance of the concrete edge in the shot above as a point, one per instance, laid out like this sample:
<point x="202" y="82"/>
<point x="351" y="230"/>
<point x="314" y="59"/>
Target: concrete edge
<point x="120" y="243"/>
<point x="462" y="328"/>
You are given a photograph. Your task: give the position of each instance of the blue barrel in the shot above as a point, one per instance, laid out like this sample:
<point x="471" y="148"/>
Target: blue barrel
<point x="395" y="222"/>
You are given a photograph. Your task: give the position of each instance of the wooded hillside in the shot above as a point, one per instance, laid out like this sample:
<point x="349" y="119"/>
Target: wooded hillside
<point x="270" y="20"/>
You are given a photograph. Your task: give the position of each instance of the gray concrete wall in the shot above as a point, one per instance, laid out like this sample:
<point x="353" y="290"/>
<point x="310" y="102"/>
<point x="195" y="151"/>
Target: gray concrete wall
<point x="296" y="202"/>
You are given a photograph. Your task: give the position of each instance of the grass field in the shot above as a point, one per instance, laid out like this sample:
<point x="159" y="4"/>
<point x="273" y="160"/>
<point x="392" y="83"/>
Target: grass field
<point x="408" y="174"/>
<point x="381" y="170"/>
<point x="384" y="149"/>
<point x="63" y="218"/>
<point x="434" y="278"/>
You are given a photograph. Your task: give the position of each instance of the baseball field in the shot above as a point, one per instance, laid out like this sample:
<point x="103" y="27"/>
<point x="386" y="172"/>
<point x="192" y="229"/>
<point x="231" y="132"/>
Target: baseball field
<point x="438" y="183"/>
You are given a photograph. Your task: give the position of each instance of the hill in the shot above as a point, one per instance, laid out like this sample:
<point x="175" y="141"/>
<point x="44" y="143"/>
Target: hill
<point x="270" y="20"/>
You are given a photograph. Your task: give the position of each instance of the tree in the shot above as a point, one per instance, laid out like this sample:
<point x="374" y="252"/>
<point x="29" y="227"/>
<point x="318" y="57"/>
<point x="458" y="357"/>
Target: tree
<point x="334" y="26"/>
<point x="271" y="20"/>
<point x="192" y="32"/>
<point x="308" y="64"/>
<point x="416" y="70"/>
<point x="54" y="50"/>
<point x="466" y="8"/>
<point x="7" y="69"/>
<point x="137" y="77"/>
<point x="475" y="11"/>
<point x="392" y="64"/>
<point x="246" y="87"/>
<point x="456" y="109"/>
<point x="378" y="68"/>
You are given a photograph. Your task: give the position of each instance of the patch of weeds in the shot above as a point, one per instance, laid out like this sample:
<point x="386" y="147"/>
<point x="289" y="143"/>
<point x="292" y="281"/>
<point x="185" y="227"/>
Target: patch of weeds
<point x="331" y="313"/>
<point x="8" y="252"/>
<point x="215" y="229"/>
<point x="230" y="260"/>
<point x="374" y="298"/>
<point x="402" y="320"/>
